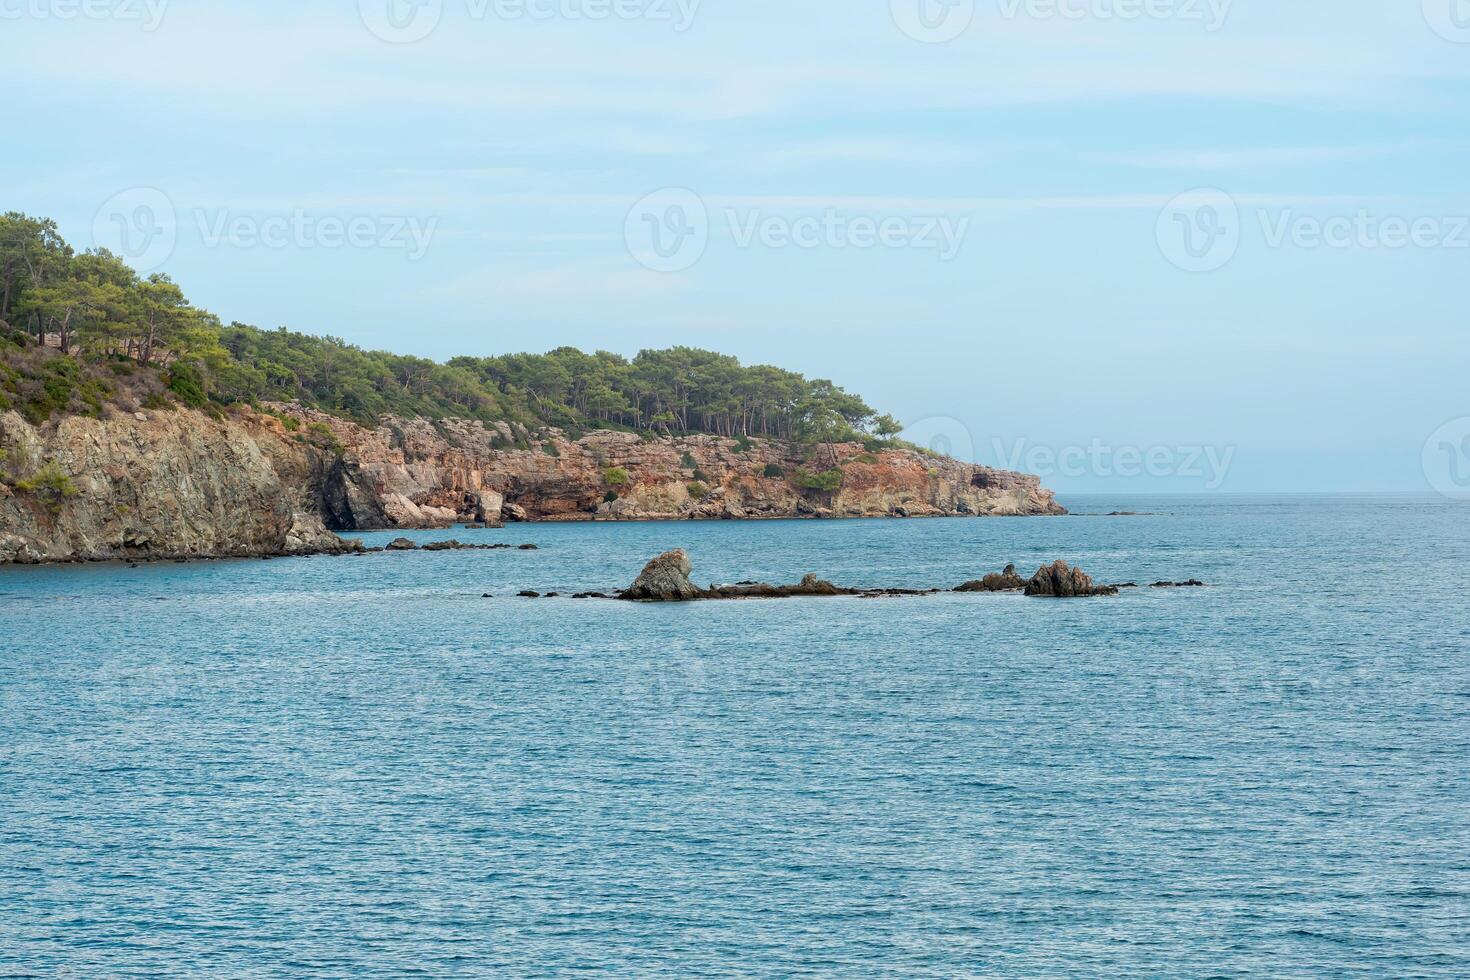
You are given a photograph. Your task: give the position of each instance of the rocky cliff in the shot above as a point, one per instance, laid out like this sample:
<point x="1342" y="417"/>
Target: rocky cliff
<point x="183" y="484"/>
<point x="169" y="484"/>
<point x="408" y="473"/>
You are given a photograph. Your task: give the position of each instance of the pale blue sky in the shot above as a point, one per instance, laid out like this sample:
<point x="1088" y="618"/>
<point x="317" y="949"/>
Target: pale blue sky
<point x="520" y="139"/>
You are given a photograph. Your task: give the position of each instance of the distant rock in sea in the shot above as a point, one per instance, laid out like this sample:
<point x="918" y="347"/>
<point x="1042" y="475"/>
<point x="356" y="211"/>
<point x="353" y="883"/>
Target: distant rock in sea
<point x="1061" y="581"/>
<point x="1006" y="581"/>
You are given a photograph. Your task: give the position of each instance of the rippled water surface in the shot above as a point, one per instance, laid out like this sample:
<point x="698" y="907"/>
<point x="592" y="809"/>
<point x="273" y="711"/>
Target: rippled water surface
<point x="359" y="766"/>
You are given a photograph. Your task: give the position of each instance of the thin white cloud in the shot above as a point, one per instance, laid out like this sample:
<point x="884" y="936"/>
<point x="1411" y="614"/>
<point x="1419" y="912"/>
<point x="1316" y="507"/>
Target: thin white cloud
<point x="768" y="62"/>
<point x="886" y="150"/>
<point x="470" y="173"/>
<point x="1262" y="158"/>
<point x="610" y="279"/>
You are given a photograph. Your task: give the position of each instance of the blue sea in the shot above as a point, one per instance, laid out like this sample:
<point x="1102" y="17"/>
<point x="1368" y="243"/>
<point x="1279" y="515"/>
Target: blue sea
<point x="360" y="767"/>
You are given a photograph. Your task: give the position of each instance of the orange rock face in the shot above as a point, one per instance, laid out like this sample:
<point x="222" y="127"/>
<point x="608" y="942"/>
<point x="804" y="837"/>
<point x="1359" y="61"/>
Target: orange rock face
<point x="417" y="473"/>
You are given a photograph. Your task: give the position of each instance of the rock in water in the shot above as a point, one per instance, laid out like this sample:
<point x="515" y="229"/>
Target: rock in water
<point x="402" y="544"/>
<point x="1006" y="581"/>
<point x="665" y="579"/>
<point x="1061" y="581"/>
<point x="813" y="586"/>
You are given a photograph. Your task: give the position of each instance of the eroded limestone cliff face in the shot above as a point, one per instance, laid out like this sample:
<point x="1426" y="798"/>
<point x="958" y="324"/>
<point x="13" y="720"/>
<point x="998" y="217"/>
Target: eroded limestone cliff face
<point x="408" y="473"/>
<point x="182" y="484"/>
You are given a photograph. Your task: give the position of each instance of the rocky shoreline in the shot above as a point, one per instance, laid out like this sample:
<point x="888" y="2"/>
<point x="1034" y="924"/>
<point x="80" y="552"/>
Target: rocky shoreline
<point x="183" y="484"/>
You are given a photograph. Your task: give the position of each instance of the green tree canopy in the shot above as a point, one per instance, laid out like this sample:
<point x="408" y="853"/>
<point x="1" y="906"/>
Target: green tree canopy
<point x="91" y="305"/>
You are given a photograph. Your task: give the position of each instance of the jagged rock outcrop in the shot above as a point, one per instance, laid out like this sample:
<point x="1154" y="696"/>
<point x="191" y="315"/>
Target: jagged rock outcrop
<point x="155" y="485"/>
<point x="1006" y="581"/>
<point x="414" y="473"/>
<point x="1061" y="581"/>
<point x="665" y="579"/>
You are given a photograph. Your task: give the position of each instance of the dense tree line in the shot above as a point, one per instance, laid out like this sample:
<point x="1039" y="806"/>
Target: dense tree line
<point x="91" y="306"/>
<point x="91" y="301"/>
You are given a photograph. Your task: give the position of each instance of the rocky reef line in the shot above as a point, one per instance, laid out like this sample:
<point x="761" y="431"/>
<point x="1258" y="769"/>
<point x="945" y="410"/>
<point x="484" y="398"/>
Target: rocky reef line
<point x="183" y="484"/>
<point x="667" y="579"/>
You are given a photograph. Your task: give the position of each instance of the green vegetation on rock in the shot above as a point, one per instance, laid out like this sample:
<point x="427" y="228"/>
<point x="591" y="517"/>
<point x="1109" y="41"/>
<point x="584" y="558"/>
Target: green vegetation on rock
<point x="50" y="483"/>
<point x="828" y="481"/>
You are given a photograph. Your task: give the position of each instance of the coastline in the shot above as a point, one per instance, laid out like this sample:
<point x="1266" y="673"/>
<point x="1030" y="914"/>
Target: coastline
<point x="180" y="484"/>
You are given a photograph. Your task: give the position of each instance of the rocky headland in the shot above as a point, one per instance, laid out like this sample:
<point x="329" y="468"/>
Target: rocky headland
<point x="408" y="473"/>
<point x="180" y="483"/>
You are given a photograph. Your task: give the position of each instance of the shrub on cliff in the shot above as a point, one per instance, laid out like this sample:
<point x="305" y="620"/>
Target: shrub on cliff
<point x="773" y="471"/>
<point x="184" y="381"/>
<point x="320" y="435"/>
<point x="615" y="476"/>
<point x="829" y="481"/>
<point x="698" y="490"/>
<point x="292" y="423"/>
<point x="50" y="484"/>
<point x="39" y="383"/>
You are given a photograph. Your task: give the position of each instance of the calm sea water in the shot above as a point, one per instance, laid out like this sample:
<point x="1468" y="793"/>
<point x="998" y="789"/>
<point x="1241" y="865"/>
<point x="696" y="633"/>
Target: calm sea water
<point x="359" y="766"/>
